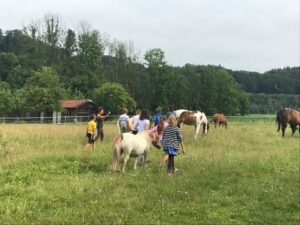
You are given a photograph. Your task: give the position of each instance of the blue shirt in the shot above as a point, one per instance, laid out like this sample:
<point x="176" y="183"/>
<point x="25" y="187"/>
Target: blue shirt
<point x="157" y="118"/>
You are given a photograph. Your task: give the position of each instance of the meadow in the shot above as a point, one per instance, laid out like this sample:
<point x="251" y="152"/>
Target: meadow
<point x="247" y="174"/>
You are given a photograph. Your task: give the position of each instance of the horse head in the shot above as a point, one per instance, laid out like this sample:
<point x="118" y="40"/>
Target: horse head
<point x="155" y="140"/>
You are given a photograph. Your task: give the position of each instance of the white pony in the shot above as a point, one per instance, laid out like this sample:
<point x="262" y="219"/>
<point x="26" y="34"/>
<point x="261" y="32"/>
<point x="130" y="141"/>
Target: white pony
<point x="195" y="118"/>
<point x="133" y="146"/>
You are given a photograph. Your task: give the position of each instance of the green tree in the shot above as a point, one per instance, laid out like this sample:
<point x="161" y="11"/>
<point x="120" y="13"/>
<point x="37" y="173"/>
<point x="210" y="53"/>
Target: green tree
<point x="6" y="101"/>
<point x="8" y="61"/>
<point x="43" y="91"/>
<point x="155" y="58"/>
<point x="158" y="73"/>
<point x="113" y="97"/>
<point x="90" y="52"/>
<point x="70" y="44"/>
<point x="1" y="40"/>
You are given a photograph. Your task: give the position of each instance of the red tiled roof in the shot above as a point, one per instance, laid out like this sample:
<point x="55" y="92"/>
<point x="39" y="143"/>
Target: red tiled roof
<point x="73" y="103"/>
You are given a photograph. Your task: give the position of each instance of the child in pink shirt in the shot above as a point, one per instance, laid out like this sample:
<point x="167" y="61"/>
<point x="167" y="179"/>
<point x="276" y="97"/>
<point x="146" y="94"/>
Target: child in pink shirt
<point x="160" y="127"/>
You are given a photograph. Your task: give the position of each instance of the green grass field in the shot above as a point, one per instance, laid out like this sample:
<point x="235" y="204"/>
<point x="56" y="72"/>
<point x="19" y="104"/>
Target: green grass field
<point x="247" y="174"/>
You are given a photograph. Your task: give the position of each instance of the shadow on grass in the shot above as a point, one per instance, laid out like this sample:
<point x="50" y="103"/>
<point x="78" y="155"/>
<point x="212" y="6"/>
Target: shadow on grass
<point x="59" y="165"/>
<point x="97" y="165"/>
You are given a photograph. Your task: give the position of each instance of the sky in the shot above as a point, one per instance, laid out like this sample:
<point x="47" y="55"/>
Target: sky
<point x="252" y="35"/>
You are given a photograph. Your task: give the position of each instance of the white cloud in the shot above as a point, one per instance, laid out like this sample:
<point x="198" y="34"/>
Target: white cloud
<point x="252" y="35"/>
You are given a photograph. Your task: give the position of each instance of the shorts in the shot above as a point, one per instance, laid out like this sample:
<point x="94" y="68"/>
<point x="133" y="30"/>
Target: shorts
<point x="90" y="138"/>
<point x="170" y="151"/>
<point x="123" y="129"/>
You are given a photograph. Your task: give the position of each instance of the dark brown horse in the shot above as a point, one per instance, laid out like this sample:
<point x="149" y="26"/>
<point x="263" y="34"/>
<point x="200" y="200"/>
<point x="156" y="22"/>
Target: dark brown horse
<point x="219" y="119"/>
<point x="288" y="116"/>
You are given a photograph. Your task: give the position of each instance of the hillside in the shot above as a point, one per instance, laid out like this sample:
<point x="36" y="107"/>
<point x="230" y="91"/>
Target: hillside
<point x="39" y="60"/>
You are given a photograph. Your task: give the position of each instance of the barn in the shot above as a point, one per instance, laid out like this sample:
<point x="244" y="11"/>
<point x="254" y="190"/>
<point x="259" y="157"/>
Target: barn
<point x="78" y="110"/>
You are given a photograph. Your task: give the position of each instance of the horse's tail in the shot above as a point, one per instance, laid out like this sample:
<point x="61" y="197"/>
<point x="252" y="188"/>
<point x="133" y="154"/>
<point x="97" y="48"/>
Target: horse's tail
<point x="117" y="151"/>
<point x="278" y="120"/>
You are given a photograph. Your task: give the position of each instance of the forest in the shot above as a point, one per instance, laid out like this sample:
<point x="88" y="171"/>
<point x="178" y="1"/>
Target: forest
<point x="44" y="63"/>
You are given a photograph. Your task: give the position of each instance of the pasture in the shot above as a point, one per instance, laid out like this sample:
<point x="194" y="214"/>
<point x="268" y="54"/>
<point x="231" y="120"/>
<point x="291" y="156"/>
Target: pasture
<point x="247" y="174"/>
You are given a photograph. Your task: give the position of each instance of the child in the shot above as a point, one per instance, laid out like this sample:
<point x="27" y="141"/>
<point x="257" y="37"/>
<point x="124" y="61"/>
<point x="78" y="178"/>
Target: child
<point x="135" y="120"/>
<point x="159" y="128"/>
<point x="91" y="132"/>
<point x="124" y="122"/>
<point x="171" y="140"/>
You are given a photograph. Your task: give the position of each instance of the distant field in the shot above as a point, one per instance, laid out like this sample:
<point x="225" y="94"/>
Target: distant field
<point x="247" y="174"/>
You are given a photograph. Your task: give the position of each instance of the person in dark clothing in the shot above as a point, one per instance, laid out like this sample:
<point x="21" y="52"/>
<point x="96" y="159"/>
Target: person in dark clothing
<point x="99" y="120"/>
<point x="171" y="111"/>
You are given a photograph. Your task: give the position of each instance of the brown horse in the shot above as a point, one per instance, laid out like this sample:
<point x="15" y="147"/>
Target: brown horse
<point x="219" y="119"/>
<point x="285" y="116"/>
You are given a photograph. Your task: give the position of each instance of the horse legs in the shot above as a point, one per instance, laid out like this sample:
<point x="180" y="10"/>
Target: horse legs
<point x="205" y="128"/>
<point x="145" y="157"/>
<point x="283" y="127"/>
<point x="197" y="130"/>
<point x="278" y="128"/>
<point x="135" y="162"/>
<point x="180" y="126"/>
<point x="125" y="162"/>
<point x="293" y="127"/>
<point x="142" y="159"/>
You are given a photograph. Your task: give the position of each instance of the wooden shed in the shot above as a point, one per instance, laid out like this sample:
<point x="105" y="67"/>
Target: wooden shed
<point x="79" y="109"/>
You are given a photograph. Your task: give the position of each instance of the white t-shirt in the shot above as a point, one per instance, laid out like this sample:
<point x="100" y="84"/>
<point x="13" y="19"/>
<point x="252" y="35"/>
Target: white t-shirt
<point x="142" y="124"/>
<point x="123" y="120"/>
<point x="135" y="120"/>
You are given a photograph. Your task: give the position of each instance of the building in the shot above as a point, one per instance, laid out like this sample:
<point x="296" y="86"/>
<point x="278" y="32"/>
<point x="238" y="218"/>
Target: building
<point x="75" y="110"/>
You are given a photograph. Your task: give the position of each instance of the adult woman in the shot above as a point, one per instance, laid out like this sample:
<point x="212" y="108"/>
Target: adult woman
<point x="99" y="120"/>
<point x="144" y="122"/>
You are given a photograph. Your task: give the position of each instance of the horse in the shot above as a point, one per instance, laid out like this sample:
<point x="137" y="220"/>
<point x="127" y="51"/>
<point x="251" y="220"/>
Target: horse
<point x="195" y="118"/>
<point x="179" y="111"/>
<point x="288" y="115"/>
<point x="133" y="146"/>
<point x="219" y="119"/>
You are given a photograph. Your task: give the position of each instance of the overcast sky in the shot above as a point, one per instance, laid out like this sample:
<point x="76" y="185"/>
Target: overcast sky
<point x="254" y="35"/>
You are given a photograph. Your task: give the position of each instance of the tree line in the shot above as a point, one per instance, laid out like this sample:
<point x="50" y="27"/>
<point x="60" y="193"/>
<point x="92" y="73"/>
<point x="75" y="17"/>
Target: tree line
<point x="275" y="81"/>
<point x="272" y="90"/>
<point x="44" y="63"/>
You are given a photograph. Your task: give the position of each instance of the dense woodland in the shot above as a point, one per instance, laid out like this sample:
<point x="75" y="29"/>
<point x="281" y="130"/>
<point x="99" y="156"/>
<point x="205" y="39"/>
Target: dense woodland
<point x="44" y="63"/>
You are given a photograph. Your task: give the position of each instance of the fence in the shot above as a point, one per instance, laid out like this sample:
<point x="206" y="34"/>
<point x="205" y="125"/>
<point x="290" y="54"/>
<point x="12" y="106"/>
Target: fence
<point x="113" y="118"/>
